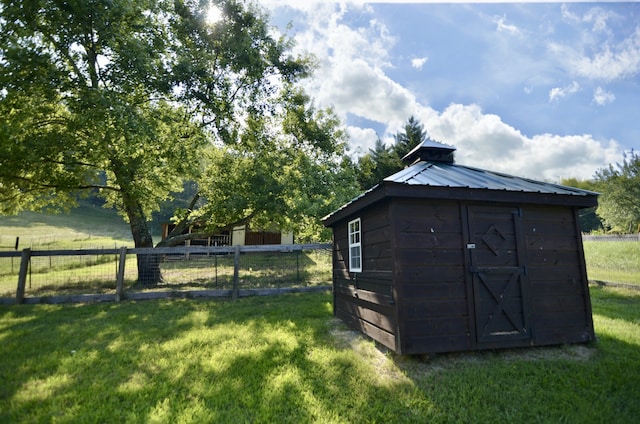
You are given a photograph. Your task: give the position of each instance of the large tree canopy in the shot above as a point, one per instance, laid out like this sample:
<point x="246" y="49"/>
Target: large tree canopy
<point x="130" y="98"/>
<point x="287" y="169"/>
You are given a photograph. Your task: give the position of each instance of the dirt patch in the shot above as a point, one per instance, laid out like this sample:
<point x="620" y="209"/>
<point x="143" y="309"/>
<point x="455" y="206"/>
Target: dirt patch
<point x="391" y="366"/>
<point x="381" y="358"/>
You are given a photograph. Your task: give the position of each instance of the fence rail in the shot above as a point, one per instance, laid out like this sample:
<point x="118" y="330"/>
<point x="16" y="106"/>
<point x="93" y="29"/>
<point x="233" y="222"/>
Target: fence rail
<point x="97" y="275"/>
<point x="611" y="237"/>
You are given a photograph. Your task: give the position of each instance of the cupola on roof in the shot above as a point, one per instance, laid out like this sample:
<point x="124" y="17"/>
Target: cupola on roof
<point x="430" y="150"/>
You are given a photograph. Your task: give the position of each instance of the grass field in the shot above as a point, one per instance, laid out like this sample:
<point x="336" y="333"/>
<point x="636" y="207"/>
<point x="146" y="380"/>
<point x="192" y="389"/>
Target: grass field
<point x="93" y="227"/>
<point x="85" y="227"/>
<point x="285" y="359"/>
<point x="613" y="261"/>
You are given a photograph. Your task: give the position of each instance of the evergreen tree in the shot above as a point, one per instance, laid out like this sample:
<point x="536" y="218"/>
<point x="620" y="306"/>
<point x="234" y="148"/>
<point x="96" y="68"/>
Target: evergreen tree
<point x="383" y="161"/>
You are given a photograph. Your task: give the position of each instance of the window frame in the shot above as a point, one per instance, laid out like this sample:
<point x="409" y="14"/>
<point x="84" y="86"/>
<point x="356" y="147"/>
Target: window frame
<point x="355" y="242"/>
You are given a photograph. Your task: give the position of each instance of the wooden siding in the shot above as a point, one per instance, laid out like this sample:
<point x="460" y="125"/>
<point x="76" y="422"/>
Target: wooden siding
<point x="366" y="300"/>
<point x="262" y="237"/>
<point x="430" y="276"/>
<point x="419" y="292"/>
<point x="560" y="302"/>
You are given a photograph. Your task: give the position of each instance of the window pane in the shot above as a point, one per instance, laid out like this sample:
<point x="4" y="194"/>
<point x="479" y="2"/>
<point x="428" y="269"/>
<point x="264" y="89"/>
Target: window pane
<point x="355" y="249"/>
<point x="355" y="257"/>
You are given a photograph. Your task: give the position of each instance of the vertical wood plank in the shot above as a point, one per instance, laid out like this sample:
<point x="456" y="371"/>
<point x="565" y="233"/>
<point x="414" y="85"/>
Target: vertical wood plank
<point x="236" y="272"/>
<point x="120" y="276"/>
<point x="584" y="281"/>
<point x="22" y="275"/>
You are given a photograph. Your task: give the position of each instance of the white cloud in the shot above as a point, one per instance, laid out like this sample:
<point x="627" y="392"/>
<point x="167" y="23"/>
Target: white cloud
<point x="597" y="56"/>
<point x="329" y="39"/>
<point x="602" y="96"/>
<point x="502" y="26"/>
<point x="351" y="77"/>
<point x="419" y="62"/>
<point x="484" y="141"/>
<point x="612" y="62"/>
<point x="599" y="17"/>
<point x="557" y="93"/>
<point x="361" y="140"/>
<point x="568" y="15"/>
<point x="596" y="16"/>
<point x="365" y="91"/>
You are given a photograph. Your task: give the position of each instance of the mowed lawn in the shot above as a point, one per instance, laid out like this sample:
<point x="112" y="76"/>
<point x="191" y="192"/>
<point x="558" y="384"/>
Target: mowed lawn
<point x="285" y="359"/>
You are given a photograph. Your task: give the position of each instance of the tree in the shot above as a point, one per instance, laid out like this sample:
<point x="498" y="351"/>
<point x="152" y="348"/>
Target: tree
<point x="378" y="163"/>
<point x="413" y="135"/>
<point x="588" y="218"/>
<point x="382" y="161"/>
<point x="619" y="203"/>
<point x="290" y="177"/>
<point x="123" y="97"/>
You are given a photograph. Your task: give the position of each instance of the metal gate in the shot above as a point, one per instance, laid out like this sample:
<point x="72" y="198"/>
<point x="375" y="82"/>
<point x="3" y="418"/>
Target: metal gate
<point x="498" y="270"/>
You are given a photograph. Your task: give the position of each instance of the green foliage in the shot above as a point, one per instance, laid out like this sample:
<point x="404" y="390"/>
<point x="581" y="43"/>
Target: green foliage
<point x="127" y="100"/>
<point x="620" y="198"/>
<point x="588" y="219"/>
<point x="383" y="161"/>
<point x="287" y="178"/>
<point x="376" y="165"/>
<point x="284" y="359"/>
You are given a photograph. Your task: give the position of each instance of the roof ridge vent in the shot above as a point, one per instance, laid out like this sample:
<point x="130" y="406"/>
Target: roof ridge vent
<point x="432" y="151"/>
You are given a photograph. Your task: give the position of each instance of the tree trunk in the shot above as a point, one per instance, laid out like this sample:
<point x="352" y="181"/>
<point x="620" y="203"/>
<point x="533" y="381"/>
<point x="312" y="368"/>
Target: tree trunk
<point x="149" y="274"/>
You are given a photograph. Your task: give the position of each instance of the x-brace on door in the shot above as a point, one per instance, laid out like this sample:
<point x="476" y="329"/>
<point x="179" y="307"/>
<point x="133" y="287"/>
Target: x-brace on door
<point x="498" y="274"/>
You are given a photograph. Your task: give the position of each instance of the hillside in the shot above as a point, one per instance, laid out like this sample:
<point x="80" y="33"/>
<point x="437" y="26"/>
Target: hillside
<point x="85" y="226"/>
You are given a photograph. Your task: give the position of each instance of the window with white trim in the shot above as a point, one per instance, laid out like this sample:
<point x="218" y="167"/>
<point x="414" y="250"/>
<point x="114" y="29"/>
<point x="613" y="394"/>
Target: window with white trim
<point x="355" y="248"/>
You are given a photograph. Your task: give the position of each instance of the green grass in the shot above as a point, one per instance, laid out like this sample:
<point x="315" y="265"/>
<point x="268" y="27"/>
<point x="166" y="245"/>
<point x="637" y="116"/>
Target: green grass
<point x="85" y="227"/>
<point x="67" y="275"/>
<point x="613" y="261"/>
<point x="93" y="227"/>
<point x="285" y="359"/>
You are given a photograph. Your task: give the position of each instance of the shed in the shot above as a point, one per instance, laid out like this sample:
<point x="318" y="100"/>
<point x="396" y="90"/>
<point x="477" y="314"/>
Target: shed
<point x="441" y="257"/>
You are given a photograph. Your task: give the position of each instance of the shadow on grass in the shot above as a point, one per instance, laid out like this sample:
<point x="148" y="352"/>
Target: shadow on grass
<point x="255" y="360"/>
<point x="278" y="359"/>
<point x="616" y="303"/>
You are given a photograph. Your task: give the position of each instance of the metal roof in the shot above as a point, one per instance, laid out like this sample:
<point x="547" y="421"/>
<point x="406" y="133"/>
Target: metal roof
<point x="436" y="171"/>
<point x="438" y="174"/>
<point x="430" y="150"/>
<point x="437" y="177"/>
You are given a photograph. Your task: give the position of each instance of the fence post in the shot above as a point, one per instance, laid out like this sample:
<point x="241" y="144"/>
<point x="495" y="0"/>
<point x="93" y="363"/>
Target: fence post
<point x="298" y="266"/>
<point x="120" y="277"/>
<point x="22" y="276"/>
<point x="236" y="272"/>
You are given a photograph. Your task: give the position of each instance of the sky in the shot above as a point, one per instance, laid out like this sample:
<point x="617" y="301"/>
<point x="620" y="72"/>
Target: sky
<point x="539" y="90"/>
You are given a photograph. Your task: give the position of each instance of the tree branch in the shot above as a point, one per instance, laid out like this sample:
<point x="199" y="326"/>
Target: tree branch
<point x="36" y="186"/>
<point x="175" y="240"/>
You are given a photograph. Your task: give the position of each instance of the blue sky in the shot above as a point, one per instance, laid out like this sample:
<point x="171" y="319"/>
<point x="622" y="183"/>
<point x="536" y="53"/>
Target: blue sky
<point x="543" y="90"/>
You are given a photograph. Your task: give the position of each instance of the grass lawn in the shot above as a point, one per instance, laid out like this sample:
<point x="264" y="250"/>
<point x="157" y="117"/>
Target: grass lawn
<point x="613" y="261"/>
<point x="85" y="227"/>
<point x="285" y="359"/>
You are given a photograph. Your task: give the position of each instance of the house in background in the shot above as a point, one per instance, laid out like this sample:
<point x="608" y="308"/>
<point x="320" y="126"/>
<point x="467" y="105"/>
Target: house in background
<point x="240" y="236"/>
<point x="441" y="257"/>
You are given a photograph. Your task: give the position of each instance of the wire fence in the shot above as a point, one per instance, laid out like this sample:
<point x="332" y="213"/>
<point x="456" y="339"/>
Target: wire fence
<point x="99" y="274"/>
<point x="112" y="274"/>
<point x="611" y="237"/>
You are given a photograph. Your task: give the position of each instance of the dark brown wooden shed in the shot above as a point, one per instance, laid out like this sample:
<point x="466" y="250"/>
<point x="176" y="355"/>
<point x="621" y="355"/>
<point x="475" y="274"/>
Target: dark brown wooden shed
<point x="441" y="257"/>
